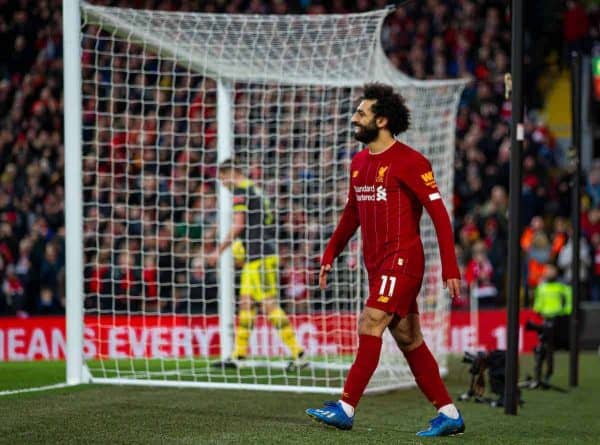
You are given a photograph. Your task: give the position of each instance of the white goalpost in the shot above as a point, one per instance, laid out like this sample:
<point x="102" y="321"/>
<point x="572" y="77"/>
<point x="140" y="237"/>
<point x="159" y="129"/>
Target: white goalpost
<point x="154" y="102"/>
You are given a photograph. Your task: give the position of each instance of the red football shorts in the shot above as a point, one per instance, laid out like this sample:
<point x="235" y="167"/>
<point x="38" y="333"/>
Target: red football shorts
<point x="395" y="292"/>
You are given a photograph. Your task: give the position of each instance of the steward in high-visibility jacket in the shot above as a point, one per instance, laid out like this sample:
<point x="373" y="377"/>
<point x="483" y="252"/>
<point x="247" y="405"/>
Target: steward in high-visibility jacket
<point x="553" y="298"/>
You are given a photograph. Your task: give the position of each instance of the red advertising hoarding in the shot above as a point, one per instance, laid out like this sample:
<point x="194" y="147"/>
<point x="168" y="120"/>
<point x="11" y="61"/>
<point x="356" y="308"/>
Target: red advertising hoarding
<point x="43" y="338"/>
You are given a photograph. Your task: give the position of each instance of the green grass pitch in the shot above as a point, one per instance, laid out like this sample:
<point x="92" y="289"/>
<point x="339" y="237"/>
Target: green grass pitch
<point x="95" y="414"/>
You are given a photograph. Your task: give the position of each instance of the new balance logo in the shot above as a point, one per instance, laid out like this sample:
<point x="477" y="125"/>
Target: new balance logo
<point x="381" y="194"/>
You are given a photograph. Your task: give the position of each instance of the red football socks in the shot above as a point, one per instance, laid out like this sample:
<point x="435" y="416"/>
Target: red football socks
<point x="367" y="357"/>
<point x="427" y="375"/>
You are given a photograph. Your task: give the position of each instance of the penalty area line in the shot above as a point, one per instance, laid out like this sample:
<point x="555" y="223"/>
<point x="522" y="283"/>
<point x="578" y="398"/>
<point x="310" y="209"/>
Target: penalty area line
<point x="37" y="388"/>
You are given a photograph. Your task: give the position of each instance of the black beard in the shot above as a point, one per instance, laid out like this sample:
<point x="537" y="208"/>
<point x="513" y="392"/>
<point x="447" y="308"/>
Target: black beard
<point x="366" y="135"/>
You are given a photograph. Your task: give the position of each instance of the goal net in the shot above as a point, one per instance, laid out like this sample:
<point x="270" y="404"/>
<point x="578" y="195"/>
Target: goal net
<point x="166" y="97"/>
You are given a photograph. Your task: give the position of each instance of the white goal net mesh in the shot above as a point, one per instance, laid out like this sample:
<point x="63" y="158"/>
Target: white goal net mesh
<point x="166" y="97"/>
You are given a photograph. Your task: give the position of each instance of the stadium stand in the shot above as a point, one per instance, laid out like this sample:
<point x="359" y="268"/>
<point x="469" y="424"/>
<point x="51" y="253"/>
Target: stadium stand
<point x="428" y="40"/>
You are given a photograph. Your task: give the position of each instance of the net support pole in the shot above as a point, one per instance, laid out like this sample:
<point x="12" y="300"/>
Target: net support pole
<point x="514" y="249"/>
<point x="226" y="272"/>
<point x="575" y="211"/>
<point x="73" y="192"/>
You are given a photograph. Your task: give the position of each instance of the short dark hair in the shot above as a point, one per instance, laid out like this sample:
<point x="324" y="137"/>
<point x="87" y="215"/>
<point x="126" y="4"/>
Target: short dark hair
<point x="389" y="104"/>
<point x="227" y="165"/>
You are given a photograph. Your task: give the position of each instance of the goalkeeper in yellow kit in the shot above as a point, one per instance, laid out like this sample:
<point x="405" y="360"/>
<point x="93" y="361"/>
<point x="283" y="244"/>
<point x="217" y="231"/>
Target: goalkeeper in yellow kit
<point x="253" y="224"/>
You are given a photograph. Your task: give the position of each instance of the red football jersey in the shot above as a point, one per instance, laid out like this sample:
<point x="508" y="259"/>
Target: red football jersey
<point x="386" y="197"/>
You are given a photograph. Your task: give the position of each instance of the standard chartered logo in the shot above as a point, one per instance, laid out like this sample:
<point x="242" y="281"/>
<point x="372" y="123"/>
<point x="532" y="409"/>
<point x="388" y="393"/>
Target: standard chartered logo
<point x="370" y="193"/>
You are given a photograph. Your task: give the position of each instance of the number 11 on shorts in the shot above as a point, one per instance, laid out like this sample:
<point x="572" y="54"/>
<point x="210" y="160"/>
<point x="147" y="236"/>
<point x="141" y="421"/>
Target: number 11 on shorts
<point x="384" y="280"/>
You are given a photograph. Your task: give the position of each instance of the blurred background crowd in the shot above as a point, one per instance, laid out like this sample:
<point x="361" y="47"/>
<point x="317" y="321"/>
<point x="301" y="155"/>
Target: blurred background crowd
<point x="129" y="254"/>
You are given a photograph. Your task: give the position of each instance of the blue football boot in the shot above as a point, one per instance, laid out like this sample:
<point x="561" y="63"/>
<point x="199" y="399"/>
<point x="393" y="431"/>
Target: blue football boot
<point x="442" y="425"/>
<point x="332" y="414"/>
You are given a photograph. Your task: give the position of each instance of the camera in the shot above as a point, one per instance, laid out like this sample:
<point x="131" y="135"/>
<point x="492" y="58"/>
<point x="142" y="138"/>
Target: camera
<point x="493" y="362"/>
<point x="477" y="361"/>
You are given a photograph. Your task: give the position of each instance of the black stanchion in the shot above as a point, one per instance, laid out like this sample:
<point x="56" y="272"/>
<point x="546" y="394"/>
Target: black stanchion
<point x="575" y="211"/>
<point x="511" y="395"/>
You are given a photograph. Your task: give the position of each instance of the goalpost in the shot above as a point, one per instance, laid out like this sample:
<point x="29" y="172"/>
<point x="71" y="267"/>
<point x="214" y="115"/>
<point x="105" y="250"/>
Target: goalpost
<point x="154" y="101"/>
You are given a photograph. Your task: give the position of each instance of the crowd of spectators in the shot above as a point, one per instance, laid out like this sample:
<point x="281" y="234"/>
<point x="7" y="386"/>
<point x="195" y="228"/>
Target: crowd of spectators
<point x="148" y="222"/>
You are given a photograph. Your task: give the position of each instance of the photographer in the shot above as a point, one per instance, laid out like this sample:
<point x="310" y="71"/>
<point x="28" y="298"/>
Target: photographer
<point x="553" y="301"/>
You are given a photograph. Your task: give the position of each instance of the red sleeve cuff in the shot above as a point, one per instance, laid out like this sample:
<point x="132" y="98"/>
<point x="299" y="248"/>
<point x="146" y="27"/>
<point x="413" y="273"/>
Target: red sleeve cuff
<point x="452" y="273"/>
<point x="327" y="258"/>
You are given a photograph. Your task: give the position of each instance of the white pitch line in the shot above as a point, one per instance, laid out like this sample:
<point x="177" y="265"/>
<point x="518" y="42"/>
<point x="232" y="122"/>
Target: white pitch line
<point x="38" y="388"/>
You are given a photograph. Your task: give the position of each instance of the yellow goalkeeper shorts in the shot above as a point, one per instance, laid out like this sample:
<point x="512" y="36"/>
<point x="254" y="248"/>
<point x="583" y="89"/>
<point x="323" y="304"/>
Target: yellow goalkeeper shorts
<point x="259" y="278"/>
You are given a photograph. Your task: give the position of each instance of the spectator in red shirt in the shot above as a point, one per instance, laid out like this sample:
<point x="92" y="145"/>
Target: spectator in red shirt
<point x="297" y="285"/>
<point x="575" y="29"/>
<point x="478" y="275"/>
<point x="126" y="283"/>
<point x="98" y="282"/>
<point x="150" y="283"/>
<point x="575" y="25"/>
<point x="13" y="292"/>
<point x="590" y="222"/>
